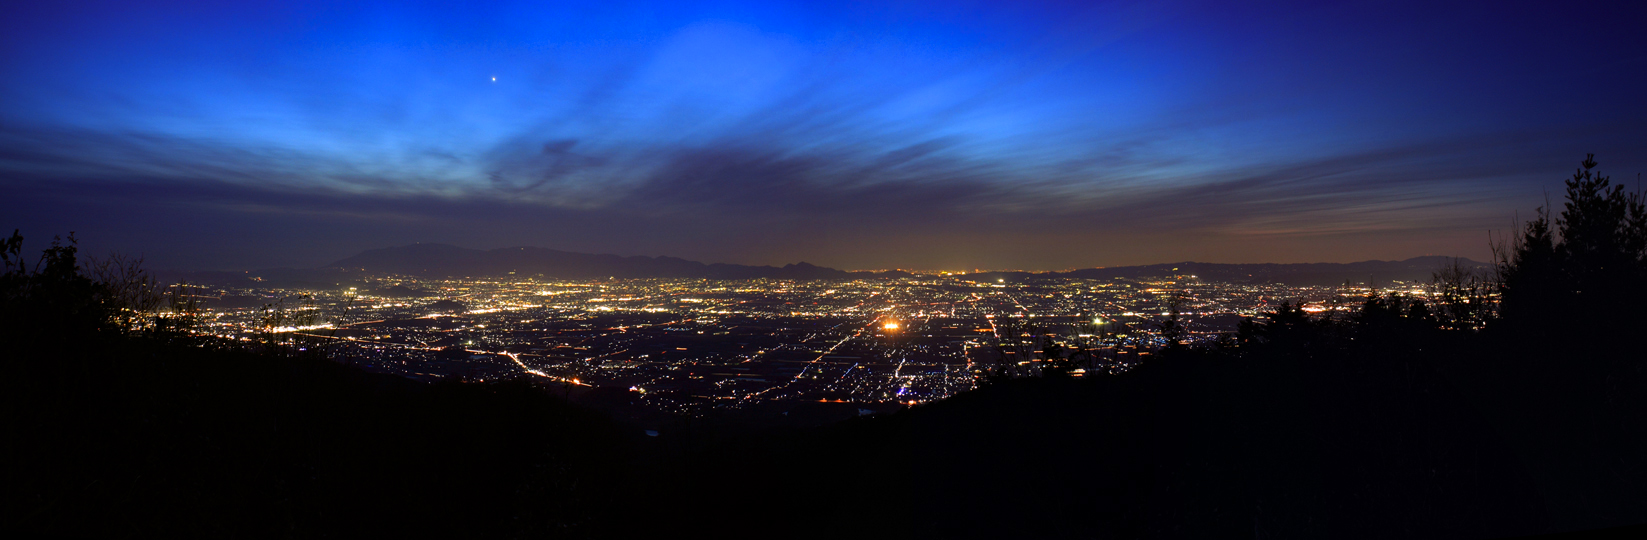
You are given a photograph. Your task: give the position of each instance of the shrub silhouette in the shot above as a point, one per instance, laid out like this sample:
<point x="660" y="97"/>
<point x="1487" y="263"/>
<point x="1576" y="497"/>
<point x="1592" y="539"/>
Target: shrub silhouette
<point x="50" y="299"/>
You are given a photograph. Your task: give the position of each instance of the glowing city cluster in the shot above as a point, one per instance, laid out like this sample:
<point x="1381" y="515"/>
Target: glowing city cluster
<point x="689" y="346"/>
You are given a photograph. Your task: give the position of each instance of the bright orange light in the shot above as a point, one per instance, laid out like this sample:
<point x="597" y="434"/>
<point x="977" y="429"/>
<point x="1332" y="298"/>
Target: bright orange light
<point x="893" y="325"/>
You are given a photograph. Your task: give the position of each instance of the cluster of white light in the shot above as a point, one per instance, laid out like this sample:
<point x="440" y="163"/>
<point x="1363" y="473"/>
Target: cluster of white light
<point x="284" y="329"/>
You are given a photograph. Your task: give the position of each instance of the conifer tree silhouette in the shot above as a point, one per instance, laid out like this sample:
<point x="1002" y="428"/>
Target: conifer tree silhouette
<point x="1589" y="261"/>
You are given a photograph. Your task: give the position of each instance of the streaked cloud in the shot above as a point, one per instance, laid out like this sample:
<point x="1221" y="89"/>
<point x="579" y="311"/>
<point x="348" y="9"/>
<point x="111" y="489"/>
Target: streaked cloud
<point x="914" y="135"/>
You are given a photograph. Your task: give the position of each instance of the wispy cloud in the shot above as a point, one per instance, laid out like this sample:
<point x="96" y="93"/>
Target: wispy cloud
<point x="1040" y="135"/>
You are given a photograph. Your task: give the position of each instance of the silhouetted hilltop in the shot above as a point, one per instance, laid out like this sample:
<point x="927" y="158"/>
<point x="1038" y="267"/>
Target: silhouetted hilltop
<point x="444" y="306"/>
<point x="444" y="260"/>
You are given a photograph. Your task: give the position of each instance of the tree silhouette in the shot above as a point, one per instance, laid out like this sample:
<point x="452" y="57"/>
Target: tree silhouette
<point x="1464" y="297"/>
<point x="1172" y="329"/>
<point x="1589" y="263"/>
<point x="1054" y="361"/>
<point x="52" y="300"/>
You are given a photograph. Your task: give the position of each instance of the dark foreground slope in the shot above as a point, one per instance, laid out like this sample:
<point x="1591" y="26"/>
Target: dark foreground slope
<point x="1216" y="452"/>
<point x="142" y="439"/>
<point x="131" y="437"/>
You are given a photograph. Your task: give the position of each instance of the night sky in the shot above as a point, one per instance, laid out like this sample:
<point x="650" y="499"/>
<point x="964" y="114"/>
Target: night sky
<point x="936" y="135"/>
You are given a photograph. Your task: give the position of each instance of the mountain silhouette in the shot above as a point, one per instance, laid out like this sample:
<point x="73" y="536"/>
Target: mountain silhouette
<point x="442" y="260"/>
<point x="446" y="260"/>
<point x="1381" y="273"/>
<point x="1417" y="269"/>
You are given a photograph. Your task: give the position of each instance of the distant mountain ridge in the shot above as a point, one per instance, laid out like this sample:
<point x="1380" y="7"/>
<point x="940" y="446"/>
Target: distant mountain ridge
<point x="446" y="260"/>
<point x="442" y="260"/>
<point x="1416" y="269"/>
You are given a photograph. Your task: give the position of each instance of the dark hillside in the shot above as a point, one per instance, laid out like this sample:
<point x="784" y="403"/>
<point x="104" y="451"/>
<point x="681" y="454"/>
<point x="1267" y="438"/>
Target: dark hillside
<point x="1207" y="451"/>
<point x="217" y="443"/>
<point x="118" y="428"/>
<point x="153" y="440"/>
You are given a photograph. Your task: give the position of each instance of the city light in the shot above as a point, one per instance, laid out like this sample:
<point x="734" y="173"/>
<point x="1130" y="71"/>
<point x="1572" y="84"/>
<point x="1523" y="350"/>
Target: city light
<point x="692" y="346"/>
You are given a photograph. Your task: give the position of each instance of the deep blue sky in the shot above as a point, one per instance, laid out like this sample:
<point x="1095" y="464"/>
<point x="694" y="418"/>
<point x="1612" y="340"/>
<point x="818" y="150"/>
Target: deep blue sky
<point x="855" y="135"/>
